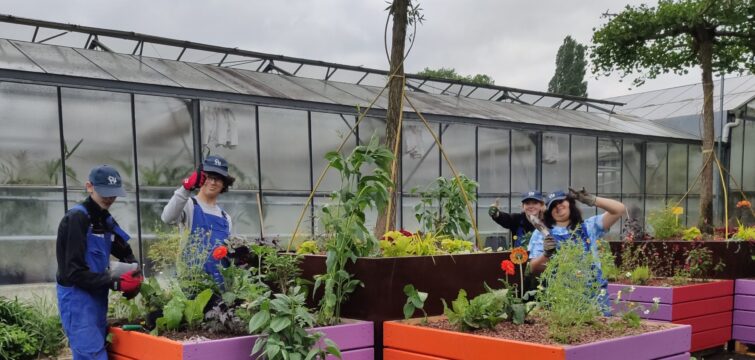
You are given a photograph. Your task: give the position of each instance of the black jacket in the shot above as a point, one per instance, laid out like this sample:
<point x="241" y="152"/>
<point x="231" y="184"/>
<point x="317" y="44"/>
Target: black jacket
<point x="71" y="247"/>
<point x="513" y="222"/>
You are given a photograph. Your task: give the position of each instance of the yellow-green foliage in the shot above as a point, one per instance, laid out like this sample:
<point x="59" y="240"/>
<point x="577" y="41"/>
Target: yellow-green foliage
<point x="415" y="245"/>
<point x="692" y="233"/>
<point x="641" y="275"/>
<point x="745" y="233"/>
<point x="164" y="251"/>
<point x="308" y="247"/>
<point x="455" y="246"/>
<point x="665" y="223"/>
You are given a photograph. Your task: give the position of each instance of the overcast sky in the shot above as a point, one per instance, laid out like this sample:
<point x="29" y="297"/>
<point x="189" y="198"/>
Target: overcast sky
<point x="515" y="42"/>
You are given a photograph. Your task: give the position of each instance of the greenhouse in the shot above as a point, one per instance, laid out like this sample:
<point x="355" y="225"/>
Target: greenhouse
<point x="152" y="118"/>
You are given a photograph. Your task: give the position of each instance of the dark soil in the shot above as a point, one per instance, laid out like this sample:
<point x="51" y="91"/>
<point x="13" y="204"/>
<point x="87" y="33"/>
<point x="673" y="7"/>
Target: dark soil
<point x="535" y="330"/>
<point x="664" y="282"/>
<point x="191" y="336"/>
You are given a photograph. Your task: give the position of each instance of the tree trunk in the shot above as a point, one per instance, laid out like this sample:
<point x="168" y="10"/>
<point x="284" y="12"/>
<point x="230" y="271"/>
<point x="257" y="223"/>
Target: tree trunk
<point x="705" y="223"/>
<point x="399" y="10"/>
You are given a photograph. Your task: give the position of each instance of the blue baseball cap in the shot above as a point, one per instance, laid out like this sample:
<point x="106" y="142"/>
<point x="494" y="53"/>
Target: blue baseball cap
<point x="554" y="197"/>
<point x="215" y="164"/>
<point x="533" y="195"/>
<point x="106" y="181"/>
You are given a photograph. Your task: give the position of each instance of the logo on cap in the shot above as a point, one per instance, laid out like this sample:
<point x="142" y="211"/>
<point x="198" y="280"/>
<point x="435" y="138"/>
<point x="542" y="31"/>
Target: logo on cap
<point x="551" y="195"/>
<point x="531" y="193"/>
<point x="112" y="180"/>
<point x="218" y="163"/>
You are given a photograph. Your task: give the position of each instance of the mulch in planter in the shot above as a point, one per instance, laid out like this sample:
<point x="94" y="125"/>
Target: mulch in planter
<point x="664" y="282"/>
<point x="535" y="330"/>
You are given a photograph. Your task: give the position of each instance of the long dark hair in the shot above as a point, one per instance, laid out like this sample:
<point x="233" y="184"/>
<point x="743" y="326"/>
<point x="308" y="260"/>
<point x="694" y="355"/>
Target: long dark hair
<point x="575" y="216"/>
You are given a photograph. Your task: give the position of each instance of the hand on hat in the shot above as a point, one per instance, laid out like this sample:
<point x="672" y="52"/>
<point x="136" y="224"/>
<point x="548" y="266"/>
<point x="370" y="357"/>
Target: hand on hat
<point x="582" y="196"/>
<point x="195" y="180"/>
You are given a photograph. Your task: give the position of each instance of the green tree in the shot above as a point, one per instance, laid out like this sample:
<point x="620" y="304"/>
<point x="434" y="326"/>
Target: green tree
<point x="570" y="70"/>
<point x="451" y="74"/>
<point x="716" y="35"/>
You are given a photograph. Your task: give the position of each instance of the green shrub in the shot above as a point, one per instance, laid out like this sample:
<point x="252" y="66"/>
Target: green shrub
<point x="29" y="330"/>
<point x="664" y="223"/>
<point x="641" y="275"/>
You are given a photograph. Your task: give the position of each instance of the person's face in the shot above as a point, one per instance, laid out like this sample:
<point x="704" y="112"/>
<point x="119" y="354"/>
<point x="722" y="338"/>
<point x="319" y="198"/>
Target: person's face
<point x="102" y="201"/>
<point x="561" y="211"/>
<point x="532" y="207"/>
<point x="213" y="184"/>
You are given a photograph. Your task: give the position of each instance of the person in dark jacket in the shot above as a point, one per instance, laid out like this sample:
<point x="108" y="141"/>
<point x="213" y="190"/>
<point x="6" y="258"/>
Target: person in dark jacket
<point x="87" y="236"/>
<point x="517" y="223"/>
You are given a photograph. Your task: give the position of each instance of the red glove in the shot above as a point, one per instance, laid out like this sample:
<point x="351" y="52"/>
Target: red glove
<point x="195" y="180"/>
<point x="129" y="283"/>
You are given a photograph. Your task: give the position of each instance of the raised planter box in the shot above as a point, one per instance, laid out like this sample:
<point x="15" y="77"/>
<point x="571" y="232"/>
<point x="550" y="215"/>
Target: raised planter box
<point x="355" y="339"/>
<point x="743" y="328"/>
<point x="405" y="341"/>
<point x="737" y="255"/>
<point x="382" y="297"/>
<point x="707" y="307"/>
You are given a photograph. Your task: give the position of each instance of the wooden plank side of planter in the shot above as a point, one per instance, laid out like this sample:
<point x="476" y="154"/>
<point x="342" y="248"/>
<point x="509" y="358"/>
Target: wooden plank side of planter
<point x="710" y="338"/>
<point x="654" y="345"/>
<point x="393" y="354"/>
<point x="352" y="335"/>
<point x="235" y="348"/>
<point x="744" y="286"/>
<point x="744" y="302"/>
<point x="663" y="313"/>
<point x="707" y="322"/>
<point x="742" y="317"/>
<point x="143" y="346"/>
<point x="685" y="356"/>
<point x="744" y="334"/>
<point x="701" y="307"/>
<point x="358" y="354"/>
<point x="642" y="293"/>
<point x="112" y="356"/>
<point x="708" y="290"/>
<point x="457" y="345"/>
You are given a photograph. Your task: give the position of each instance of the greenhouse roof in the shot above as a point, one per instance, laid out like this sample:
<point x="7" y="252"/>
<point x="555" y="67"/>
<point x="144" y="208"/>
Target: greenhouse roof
<point x="680" y="107"/>
<point x="435" y="98"/>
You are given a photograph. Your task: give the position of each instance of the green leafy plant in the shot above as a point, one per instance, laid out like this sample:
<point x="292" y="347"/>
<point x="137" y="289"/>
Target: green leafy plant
<point x="456" y="246"/>
<point x="744" y="233"/>
<point x="571" y="295"/>
<point x="442" y="209"/>
<point x="665" y="223"/>
<point x="641" y="275"/>
<point x="308" y="247"/>
<point x="281" y="270"/>
<point x="692" y="233"/>
<point x="283" y="322"/>
<point x="163" y="251"/>
<point x="415" y="299"/>
<point x="180" y="311"/>
<point x="629" y="311"/>
<point x="611" y="272"/>
<point x="344" y="221"/>
<point x="29" y="330"/>
<point x="486" y="310"/>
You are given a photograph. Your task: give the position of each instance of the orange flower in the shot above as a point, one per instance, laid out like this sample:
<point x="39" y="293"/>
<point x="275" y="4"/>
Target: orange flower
<point x="219" y="252"/>
<point x="518" y="256"/>
<point x="743" y="203"/>
<point x="508" y="267"/>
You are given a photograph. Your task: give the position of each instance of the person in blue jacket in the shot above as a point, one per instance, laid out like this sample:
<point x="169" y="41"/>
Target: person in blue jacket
<point x="87" y="236"/>
<point x="200" y="214"/>
<point x="563" y="221"/>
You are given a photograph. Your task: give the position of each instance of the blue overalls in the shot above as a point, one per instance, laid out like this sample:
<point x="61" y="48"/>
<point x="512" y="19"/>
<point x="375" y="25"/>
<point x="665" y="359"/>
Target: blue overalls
<point x="82" y="312"/>
<point x="519" y="235"/>
<point x="213" y="230"/>
<point x="585" y="240"/>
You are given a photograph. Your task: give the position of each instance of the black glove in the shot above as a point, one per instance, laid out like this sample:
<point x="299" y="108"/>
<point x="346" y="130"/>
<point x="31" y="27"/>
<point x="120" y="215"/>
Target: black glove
<point x="549" y="246"/>
<point x="582" y="196"/>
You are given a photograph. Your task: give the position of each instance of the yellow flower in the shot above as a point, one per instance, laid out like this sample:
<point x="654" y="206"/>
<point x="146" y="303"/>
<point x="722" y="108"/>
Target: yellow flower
<point x="677" y="210"/>
<point x="518" y="256"/>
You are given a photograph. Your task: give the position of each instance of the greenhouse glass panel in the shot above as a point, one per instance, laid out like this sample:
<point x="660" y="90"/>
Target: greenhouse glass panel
<point x="280" y="215"/>
<point x="420" y="156"/>
<point x="632" y="163"/>
<point x="492" y="234"/>
<point x="242" y="207"/>
<point x="328" y="133"/>
<point x="748" y="173"/>
<point x="93" y="137"/>
<point x="634" y="207"/>
<point x="11" y="58"/>
<point x="654" y="204"/>
<point x="555" y="161"/>
<point x="655" y="168"/>
<point x="61" y="60"/>
<point x="612" y="234"/>
<point x="459" y="145"/>
<point x="371" y="126"/>
<point x="125" y="67"/>
<point x="737" y="143"/>
<point x="677" y="169"/>
<point x="584" y="162"/>
<point x="693" y="210"/>
<point x="230" y="130"/>
<point x="609" y="166"/>
<point x="695" y="166"/>
<point x="408" y="219"/>
<point x="494" y="169"/>
<point x="285" y="164"/>
<point x="523" y="161"/>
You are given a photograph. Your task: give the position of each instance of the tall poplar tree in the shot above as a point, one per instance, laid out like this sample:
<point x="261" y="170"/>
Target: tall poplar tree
<point x="571" y="65"/>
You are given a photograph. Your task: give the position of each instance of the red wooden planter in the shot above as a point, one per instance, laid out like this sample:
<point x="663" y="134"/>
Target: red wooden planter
<point x="354" y="339"/>
<point x="707" y="307"/>
<point x="404" y="341"/>
<point x="743" y="328"/>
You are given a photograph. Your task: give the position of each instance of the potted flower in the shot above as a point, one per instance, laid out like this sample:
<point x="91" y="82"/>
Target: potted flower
<point x="563" y="325"/>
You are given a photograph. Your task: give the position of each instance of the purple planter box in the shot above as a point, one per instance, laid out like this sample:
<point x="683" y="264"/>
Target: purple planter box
<point x="355" y="339"/>
<point x="743" y="328"/>
<point x="675" y="341"/>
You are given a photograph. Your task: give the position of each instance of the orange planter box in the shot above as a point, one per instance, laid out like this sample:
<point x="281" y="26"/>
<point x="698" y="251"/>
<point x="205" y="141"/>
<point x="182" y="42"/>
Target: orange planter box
<point x="402" y="340"/>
